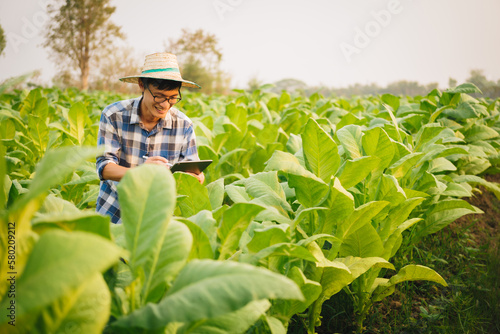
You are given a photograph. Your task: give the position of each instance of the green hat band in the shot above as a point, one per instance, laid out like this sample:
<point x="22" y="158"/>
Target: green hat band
<point x="170" y="69"/>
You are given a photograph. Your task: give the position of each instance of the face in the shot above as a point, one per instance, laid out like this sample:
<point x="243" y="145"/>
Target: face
<point x="152" y="110"/>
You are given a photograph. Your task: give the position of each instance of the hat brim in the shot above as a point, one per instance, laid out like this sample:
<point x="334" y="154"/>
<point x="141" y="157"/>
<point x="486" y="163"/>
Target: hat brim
<point x="135" y="79"/>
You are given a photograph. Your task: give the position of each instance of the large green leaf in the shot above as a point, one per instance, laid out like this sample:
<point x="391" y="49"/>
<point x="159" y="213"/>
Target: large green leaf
<point x="479" y="132"/>
<point x="385" y="287"/>
<point x="38" y="132"/>
<point x="147" y="201"/>
<point x="350" y="138"/>
<point x="267" y="189"/>
<point x="216" y="193"/>
<point x="53" y="168"/>
<point x="358" y="266"/>
<point x="394" y="241"/>
<point x="467" y="88"/>
<point x="440" y="165"/>
<point x="333" y="277"/>
<point x="87" y="221"/>
<point x="207" y="289"/>
<point x="197" y="195"/>
<point x="341" y="205"/>
<point x="392" y="101"/>
<point x="309" y="191"/>
<point x="397" y="215"/>
<point x="201" y="248"/>
<point x="310" y="289"/>
<point x="234" y="222"/>
<point x="386" y="188"/>
<point x="320" y="151"/>
<point x="444" y="213"/>
<point x="427" y="134"/>
<point x="237" y="115"/>
<point x="86" y="309"/>
<point x="59" y="262"/>
<point x="401" y="167"/>
<point x="364" y="242"/>
<point x="76" y="117"/>
<point x="473" y="179"/>
<point x="235" y="322"/>
<point x="290" y="250"/>
<point x="360" y="217"/>
<point x="170" y="260"/>
<point x="357" y="170"/>
<point x="376" y="143"/>
<point x="288" y="163"/>
<point x="59" y="213"/>
<point x="237" y="194"/>
<point x="265" y="237"/>
<point x="31" y="102"/>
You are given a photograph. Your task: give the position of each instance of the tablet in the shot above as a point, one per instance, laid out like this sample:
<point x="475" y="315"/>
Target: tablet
<point x="195" y="167"/>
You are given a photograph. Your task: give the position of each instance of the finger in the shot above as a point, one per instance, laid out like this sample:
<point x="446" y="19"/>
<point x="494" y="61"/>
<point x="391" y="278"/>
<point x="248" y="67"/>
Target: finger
<point x="159" y="158"/>
<point x="156" y="162"/>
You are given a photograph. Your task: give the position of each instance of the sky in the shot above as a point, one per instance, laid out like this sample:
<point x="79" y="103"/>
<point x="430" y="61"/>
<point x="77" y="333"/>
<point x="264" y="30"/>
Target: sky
<point x="334" y="43"/>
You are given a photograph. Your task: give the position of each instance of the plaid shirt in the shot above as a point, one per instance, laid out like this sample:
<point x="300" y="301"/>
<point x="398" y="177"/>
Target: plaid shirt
<point x="126" y="143"/>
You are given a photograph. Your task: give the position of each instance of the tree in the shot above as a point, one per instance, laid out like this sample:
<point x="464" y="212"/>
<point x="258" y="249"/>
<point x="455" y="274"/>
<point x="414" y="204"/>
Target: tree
<point x="489" y="88"/>
<point x="117" y="64"/>
<point x="79" y="31"/>
<point x="254" y="83"/>
<point x="2" y="40"/>
<point x="199" y="58"/>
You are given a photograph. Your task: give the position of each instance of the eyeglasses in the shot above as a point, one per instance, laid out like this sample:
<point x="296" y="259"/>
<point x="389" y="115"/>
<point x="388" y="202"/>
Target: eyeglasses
<point x="171" y="100"/>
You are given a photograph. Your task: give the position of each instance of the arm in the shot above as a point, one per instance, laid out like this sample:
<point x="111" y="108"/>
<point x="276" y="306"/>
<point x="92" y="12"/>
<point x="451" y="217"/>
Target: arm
<point x="113" y="172"/>
<point x="107" y="164"/>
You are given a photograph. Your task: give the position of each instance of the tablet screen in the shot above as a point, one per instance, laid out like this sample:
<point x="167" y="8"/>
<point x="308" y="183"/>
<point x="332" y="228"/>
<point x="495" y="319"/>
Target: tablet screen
<point x="195" y="167"/>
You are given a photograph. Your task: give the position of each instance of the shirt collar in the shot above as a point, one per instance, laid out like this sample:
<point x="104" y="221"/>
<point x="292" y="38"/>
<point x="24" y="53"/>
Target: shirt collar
<point x="134" y="113"/>
<point x="166" y="122"/>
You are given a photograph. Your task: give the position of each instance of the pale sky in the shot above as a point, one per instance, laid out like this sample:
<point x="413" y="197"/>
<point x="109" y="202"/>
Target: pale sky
<point x="329" y="42"/>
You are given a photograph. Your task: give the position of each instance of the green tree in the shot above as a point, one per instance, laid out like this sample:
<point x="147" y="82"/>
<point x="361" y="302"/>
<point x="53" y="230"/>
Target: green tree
<point x="200" y="58"/>
<point x="80" y="31"/>
<point x="2" y="40"/>
<point x="119" y="63"/>
<point x="489" y="88"/>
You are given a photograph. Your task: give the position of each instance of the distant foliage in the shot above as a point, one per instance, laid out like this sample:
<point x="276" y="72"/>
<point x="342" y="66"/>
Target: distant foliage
<point x="117" y="64"/>
<point x="488" y="88"/>
<point x="2" y="40"/>
<point x="199" y="59"/>
<point x="79" y="32"/>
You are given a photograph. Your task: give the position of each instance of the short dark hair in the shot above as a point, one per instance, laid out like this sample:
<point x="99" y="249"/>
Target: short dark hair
<point x="161" y="84"/>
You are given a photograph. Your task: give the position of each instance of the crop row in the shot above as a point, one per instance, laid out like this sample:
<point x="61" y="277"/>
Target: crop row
<point x="306" y="197"/>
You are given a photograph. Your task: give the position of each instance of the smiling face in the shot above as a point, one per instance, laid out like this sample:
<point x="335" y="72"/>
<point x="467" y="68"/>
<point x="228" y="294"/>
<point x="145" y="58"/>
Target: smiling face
<point x="155" y="102"/>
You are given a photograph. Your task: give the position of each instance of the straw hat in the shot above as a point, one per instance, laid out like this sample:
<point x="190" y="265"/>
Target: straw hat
<point x="161" y="66"/>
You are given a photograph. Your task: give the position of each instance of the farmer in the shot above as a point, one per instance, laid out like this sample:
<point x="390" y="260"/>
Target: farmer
<point x="147" y="129"/>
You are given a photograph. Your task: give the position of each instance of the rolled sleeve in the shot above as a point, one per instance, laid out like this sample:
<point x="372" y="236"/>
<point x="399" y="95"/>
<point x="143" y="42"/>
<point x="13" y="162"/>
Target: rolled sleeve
<point x="109" y="139"/>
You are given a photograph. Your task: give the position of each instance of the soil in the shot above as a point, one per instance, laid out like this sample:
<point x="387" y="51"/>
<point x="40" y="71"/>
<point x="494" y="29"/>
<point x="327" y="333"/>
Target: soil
<point x="487" y="225"/>
<point x="483" y="231"/>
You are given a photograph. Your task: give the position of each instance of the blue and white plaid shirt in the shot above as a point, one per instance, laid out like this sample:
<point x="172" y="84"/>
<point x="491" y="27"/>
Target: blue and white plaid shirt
<point x="126" y="142"/>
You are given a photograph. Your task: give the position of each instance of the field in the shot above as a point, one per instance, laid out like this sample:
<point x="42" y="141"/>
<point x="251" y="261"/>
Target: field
<point x="374" y="214"/>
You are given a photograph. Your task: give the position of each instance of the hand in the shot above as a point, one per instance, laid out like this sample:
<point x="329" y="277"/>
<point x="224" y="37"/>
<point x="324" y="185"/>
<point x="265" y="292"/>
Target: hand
<point x="157" y="160"/>
<point x="200" y="177"/>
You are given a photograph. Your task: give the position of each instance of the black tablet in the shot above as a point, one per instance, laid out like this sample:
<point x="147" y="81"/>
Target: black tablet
<point x="195" y="167"/>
